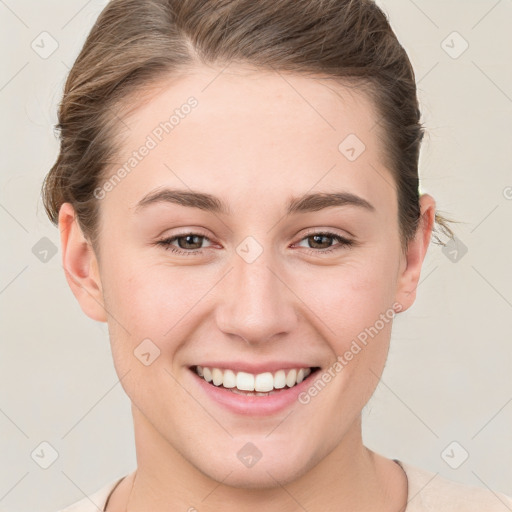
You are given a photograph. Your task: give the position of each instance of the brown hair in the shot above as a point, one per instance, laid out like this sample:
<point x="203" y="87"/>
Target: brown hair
<point x="133" y="45"/>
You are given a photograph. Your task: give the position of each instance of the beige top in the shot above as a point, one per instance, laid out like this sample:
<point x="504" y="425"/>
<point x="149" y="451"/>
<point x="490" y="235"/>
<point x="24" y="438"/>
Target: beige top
<point x="427" y="492"/>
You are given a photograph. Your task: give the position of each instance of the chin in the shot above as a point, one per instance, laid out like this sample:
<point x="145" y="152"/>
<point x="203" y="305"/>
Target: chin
<point x="270" y="472"/>
<point x="264" y="478"/>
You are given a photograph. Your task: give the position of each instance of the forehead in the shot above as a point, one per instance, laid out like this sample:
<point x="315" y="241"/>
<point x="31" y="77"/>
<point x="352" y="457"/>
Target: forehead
<point x="251" y="130"/>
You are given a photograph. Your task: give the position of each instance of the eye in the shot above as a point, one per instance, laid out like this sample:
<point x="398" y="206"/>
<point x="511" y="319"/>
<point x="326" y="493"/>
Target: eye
<point x="317" y="239"/>
<point x="189" y="244"/>
<point x="185" y="241"/>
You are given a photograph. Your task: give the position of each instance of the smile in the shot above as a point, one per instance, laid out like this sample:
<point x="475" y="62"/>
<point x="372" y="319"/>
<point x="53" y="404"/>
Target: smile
<point x="261" y="384"/>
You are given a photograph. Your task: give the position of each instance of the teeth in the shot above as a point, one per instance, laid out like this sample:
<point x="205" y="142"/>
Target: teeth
<point x="245" y="381"/>
<point x="217" y="376"/>
<point x="229" y="380"/>
<point x="291" y="378"/>
<point x="207" y="374"/>
<point x="264" y="382"/>
<point x="279" y="379"/>
<point x="260" y="383"/>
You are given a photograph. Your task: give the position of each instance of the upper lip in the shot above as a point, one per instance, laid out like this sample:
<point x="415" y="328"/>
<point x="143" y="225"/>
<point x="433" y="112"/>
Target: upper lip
<point x="254" y="368"/>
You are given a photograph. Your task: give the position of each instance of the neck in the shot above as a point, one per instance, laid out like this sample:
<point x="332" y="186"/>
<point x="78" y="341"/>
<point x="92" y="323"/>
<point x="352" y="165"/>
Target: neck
<point x="351" y="477"/>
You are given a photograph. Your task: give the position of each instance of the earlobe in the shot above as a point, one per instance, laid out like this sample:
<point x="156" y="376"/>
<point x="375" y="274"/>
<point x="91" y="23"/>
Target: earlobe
<point x="409" y="278"/>
<point x="80" y="265"/>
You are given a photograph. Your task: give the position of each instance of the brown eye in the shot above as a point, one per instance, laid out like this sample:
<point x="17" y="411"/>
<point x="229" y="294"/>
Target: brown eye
<point x="188" y="243"/>
<point x="320" y="243"/>
<point x="316" y="241"/>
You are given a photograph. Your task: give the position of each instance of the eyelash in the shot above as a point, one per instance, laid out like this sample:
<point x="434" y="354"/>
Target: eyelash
<point x="343" y="243"/>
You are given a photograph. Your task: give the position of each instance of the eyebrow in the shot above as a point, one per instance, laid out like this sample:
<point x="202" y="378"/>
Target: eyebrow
<point x="306" y="203"/>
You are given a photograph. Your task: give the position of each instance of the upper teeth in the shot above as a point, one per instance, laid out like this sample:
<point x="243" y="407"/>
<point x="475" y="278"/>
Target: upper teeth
<point x="248" y="382"/>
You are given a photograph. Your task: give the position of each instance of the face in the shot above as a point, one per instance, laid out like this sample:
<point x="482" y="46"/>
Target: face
<point x="290" y="258"/>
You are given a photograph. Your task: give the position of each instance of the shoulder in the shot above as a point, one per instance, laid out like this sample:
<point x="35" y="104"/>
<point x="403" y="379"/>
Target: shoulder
<point x="430" y="492"/>
<point x="95" y="501"/>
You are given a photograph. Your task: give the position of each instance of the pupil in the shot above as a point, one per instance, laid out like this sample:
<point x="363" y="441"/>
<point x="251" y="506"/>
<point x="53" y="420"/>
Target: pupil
<point x="316" y="237"/>
<point x="187" y="239"/>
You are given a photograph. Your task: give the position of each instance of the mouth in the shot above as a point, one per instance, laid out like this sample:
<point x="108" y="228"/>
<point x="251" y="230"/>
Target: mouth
<point x="261" y="384"/>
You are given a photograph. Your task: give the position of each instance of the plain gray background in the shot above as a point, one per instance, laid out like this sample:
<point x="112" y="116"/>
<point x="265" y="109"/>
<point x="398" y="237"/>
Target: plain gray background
<point x="446" y="392"/>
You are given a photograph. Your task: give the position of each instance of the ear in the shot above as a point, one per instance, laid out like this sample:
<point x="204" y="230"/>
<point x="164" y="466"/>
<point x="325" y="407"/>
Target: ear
<point x="80" y="265"/>
<point x="411" y="268"/>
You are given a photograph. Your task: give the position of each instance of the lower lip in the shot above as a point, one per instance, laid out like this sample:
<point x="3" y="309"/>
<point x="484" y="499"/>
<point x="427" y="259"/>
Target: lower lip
<point x="253" y="405"/>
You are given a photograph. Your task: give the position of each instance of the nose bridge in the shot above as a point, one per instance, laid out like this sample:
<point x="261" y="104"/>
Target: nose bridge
<point x="256" y="305"/>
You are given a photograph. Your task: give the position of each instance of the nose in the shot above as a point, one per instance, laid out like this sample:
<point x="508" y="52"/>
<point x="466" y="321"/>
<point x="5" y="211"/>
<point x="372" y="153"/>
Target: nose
<point x="257" y="301"/>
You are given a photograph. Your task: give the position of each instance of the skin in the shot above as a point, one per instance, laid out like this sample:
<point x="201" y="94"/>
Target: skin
<point x="255" y="140"/>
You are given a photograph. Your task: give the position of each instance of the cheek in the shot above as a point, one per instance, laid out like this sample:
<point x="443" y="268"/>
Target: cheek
<point x="149" y="298"/>
<point x="350" y="297"/>
<point x="149" y="310"/>
<point x="354" y="305"/>
<point x="154" y="302"/>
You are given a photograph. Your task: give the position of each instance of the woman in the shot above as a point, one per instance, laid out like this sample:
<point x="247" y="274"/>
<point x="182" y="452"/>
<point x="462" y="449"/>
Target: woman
<point x="237" y="196"/>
